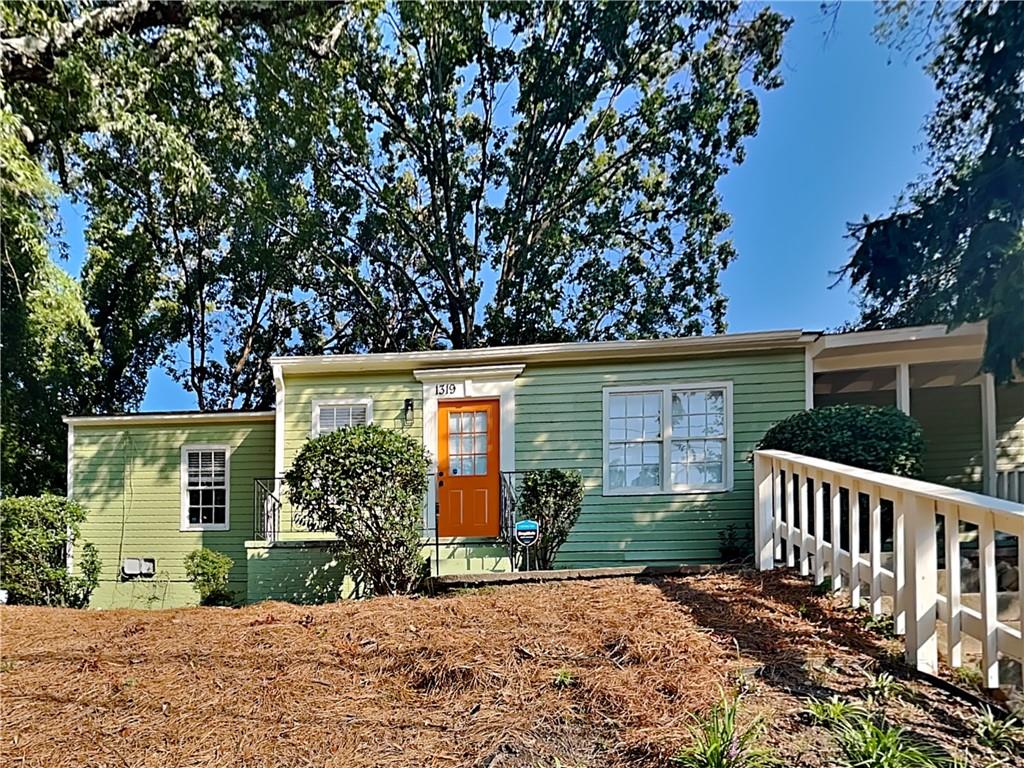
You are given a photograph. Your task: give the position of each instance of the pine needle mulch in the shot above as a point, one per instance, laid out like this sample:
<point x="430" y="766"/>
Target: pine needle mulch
<point x="595" y="673"/>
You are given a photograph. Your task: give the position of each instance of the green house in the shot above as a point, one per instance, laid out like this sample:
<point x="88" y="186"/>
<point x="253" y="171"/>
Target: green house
<point x="661" y="431"/>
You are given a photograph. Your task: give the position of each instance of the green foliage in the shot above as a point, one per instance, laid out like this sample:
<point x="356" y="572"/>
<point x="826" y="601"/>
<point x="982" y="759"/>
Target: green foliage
<point x="952" y="251"/>
<point x="208" y="570"/>
<point x="554" y="498"/>
<point x="35" y="534"/>
<point x="720" y="742"/>
<point x="564" y="678"/>
<point x="884" y="686"/>
<point x="833" y="710"/>
<point x="969" y="676"/>
<point x="366" y="484"/>
<point x="734" y="543"/>
<point x="866" y="436"/>
<point x="868" y="742"/>
<point x="999" y="734"/>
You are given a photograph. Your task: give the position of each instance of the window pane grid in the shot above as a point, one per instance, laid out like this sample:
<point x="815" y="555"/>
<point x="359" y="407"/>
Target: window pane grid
<point x="206" y="483"/>
<point x="635" y="440"/>
<point x="691" y="451"/>
<point x="467" y="443"/>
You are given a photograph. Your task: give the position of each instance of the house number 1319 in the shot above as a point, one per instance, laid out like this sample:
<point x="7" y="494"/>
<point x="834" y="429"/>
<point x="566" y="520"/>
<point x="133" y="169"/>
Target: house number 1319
<point x="444" y="389"/>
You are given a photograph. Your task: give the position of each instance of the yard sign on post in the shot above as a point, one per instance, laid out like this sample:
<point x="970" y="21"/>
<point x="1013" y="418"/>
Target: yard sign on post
<point x="526" y="534"/>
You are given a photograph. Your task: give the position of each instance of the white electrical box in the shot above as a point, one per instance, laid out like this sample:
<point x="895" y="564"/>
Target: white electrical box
<point x="138" y="567"/>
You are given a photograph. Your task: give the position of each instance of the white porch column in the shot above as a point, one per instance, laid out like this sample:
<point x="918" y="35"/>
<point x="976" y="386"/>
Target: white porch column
<point x="903" y="387"/>
<point x="988" y="435"/>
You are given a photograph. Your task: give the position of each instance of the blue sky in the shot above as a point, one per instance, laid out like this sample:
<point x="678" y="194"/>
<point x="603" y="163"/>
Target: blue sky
<point x="840" y="139"/>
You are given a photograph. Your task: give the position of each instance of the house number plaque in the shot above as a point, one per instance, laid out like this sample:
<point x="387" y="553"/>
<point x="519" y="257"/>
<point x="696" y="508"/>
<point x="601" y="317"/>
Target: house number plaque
<point x="448" y="389"/>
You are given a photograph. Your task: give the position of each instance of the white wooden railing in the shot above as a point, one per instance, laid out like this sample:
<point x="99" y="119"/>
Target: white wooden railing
<point x="798" y="521"/>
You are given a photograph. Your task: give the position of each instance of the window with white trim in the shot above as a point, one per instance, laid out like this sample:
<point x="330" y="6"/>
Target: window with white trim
<point x="332" y="415"/>
<point x="668" y="439"/>
<point x="205" y="476"/>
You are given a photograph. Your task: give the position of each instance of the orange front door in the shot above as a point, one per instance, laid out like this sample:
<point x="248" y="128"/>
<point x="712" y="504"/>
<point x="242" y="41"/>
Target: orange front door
<point x="467" y="468"/>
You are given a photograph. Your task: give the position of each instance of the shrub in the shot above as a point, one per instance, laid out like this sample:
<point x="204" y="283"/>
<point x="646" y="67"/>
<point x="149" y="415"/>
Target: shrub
<point x="35" y="533"/>
<point x="866" y="436"/>
<point x="208" y="571"/>
<point x="552" y="497"/>
<point x="366" y="484"/>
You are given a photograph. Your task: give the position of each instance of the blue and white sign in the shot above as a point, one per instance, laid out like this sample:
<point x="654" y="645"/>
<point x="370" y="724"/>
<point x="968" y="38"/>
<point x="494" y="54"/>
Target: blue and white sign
<point x="527" y="532"/>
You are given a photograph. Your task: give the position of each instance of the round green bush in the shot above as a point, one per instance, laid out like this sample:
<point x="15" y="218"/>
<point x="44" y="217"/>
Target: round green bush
<point x="35" y="533"/>
<point x="366" y="484"/>
<point x="883" y="439"/>
<point x="209" y="570"/>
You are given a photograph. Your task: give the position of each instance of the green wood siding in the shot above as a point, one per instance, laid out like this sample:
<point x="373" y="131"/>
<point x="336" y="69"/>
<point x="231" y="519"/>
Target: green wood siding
<point x="128" y="478"/>
<point x="950" y="419"/>
<point x="559" y="424"/>
<point x="1010" y="426"/>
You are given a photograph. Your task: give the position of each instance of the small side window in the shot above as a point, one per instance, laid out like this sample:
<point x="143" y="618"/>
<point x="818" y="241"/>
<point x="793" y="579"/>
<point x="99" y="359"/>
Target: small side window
<point x="205" y="484"/>
<point x="332" y="415"/>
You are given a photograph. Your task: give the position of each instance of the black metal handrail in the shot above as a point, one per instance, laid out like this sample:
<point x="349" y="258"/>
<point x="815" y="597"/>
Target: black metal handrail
<point x="266" y="507"/>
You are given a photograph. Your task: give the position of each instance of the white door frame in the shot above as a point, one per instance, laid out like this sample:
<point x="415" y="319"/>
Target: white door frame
<point x="477" y="382"/>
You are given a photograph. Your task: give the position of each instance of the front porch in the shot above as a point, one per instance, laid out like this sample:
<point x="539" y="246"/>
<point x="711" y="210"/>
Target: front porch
<point x="973" y="428"/>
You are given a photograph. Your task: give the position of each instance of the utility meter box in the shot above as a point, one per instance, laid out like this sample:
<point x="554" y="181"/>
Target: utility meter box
<point x="138" y="567"/>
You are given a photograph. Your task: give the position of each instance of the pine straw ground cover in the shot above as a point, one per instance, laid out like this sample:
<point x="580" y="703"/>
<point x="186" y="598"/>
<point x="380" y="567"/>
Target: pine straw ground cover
<point x="593" y="673"/>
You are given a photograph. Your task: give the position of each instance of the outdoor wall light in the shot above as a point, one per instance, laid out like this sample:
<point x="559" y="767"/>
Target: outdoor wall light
<point x="408" y="411"/>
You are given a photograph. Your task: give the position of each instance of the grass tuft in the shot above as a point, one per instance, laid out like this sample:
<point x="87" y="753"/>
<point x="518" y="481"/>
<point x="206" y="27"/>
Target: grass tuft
<point x="720" y="742"/>
<point x="869" y="743"/>
<point x="833" y="710"/>
<point x="998" y="734"/>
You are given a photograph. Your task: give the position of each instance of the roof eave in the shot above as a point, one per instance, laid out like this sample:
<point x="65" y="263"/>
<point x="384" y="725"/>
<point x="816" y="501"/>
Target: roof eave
<point x="535" y="353"/>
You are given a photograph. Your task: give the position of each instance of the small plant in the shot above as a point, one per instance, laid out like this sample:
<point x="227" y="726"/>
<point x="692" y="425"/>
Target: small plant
<point x="554" y="498"/>
<point x="734" y="544"/>
<point x="998" y="734"/>
<point x="833" y="710"/>
<point x="885" y="687"/>
<point x="968" y="677"/>
<point x="563" y="678"/>
<point x="719" y="741"/>
<point x="823" y="589"/>
<point x="208" y="571"/>
<point x="881" y="625"/>
<point x="867" y="743"/>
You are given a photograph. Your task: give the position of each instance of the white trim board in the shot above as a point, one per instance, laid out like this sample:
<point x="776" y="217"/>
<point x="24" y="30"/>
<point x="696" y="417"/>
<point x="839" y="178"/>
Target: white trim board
<point x="170" y="418"/>
<point x="563" y="352"/>
<point x="483" y="383"/>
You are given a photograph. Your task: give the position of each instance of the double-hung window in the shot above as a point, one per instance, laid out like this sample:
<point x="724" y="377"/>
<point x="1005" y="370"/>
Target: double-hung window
<point x="205" y="485"/>
<point x="332" y="415"/>
<point x="668" y="439"/>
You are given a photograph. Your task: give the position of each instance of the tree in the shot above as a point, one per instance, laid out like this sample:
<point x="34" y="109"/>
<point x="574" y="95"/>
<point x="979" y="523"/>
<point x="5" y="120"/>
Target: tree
<point x="273" y="178"/>
<point x="952" y="251"/>
<point x="543" y="171"/>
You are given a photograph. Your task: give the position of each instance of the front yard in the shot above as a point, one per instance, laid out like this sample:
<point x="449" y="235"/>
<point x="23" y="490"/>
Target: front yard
<point x="597" y="673"/>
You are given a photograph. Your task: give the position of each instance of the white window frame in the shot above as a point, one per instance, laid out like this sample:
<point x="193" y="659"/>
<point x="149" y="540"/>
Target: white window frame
<point x="366" y="402"/>
<point x="183" y="472"/>
<point x="666" y="390"/>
